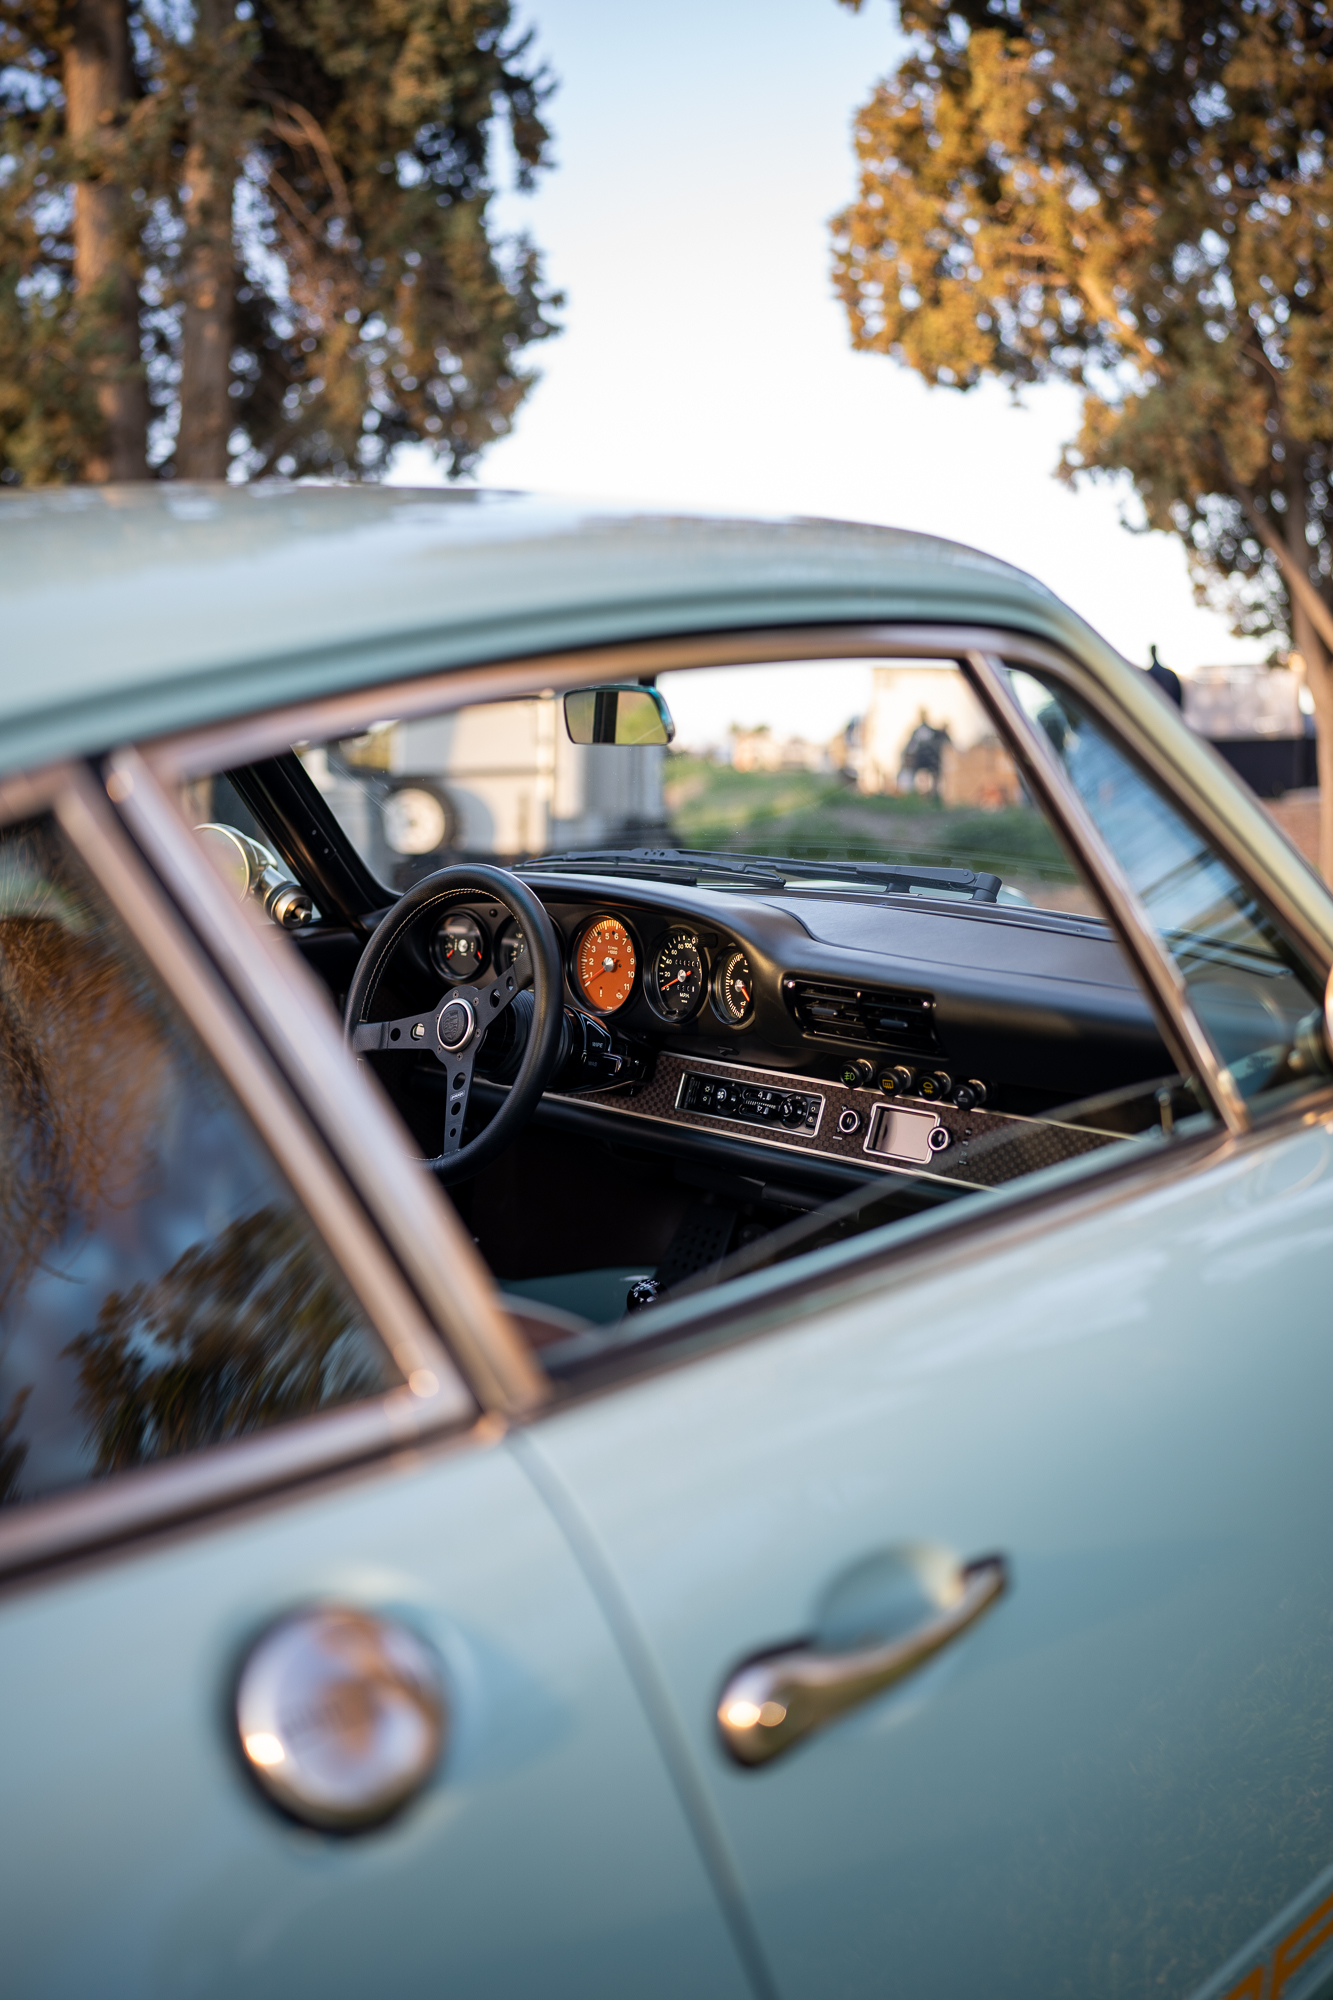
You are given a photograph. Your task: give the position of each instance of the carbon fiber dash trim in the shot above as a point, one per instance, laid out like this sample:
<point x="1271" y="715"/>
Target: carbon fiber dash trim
<point x="987" y="1147"/>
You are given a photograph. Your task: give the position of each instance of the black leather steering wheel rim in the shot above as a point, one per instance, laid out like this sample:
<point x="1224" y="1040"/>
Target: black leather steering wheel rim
<point x="422" y="905"/>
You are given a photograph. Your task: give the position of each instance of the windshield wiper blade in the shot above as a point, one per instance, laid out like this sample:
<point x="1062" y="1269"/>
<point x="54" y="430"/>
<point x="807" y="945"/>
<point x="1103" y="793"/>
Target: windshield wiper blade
<point x="693" y="865"/>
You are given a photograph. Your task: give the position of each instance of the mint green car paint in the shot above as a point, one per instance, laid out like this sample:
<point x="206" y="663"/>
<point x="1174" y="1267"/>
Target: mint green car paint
<point x="1113" y="1786"/>
<point x="551" y="1855"/>
<point x="1123" y="1773"/>
<point x="135" y="611"/>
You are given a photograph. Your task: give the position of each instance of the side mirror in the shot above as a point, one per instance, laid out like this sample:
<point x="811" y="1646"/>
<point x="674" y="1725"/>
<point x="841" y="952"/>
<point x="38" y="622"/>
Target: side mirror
<point x="626" y="715"/>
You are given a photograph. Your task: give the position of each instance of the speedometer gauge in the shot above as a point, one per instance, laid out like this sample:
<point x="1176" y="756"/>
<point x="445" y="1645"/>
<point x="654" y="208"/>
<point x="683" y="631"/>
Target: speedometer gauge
<point x="733" y="993"/>
<point x="604" y="965"/>
<point x="677" y="982"/>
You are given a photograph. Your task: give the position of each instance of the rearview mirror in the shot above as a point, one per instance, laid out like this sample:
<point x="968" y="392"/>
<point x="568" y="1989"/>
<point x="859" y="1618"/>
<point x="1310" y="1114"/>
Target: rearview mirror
<point x="630" y="714"/>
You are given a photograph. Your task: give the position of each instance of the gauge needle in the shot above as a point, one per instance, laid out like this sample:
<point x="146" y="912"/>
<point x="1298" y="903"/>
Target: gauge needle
<point x="672" y="982"/>
<point x="744" y="995"/>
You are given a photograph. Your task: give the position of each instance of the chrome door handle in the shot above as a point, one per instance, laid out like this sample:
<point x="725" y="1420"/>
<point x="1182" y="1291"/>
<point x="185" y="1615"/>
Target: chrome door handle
<point x="776" y="1698"/>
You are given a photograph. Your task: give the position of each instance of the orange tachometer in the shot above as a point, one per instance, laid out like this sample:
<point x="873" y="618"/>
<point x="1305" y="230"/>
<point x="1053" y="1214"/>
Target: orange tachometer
<point x="604" y="968"/>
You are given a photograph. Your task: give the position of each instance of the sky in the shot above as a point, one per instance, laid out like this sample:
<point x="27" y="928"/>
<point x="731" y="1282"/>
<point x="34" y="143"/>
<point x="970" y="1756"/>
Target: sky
<point x="700" y="150"/>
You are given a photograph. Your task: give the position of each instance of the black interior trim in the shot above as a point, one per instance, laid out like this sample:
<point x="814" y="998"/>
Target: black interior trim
<point x="281" y="794"/>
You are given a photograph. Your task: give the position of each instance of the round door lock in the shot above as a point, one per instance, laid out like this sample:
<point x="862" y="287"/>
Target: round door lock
<point x="342" y="1716"/>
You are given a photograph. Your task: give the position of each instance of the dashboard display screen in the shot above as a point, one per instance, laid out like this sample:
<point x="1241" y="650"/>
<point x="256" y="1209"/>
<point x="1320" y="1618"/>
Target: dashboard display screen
<point x="605" y="965"/>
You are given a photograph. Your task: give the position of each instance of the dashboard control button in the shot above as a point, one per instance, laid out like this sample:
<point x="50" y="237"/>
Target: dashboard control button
<point x="935" y="1086"/>
<point x="858" y="1075"/>
<point x="749" y="1103"/>
<point x="939" y="1139"/>
<point x="849" y="1121"/>
<point x="900" y="1081"/>
<point x="970" y="1094"/>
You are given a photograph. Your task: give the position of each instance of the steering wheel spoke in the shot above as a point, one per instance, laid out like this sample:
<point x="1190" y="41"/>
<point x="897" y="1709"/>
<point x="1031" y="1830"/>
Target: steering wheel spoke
<point x="453" y="1025"/>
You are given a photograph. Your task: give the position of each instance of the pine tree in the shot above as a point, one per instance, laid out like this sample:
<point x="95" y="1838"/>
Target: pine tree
<point x="253" y="236"/>
<point x="1137" y="198"/>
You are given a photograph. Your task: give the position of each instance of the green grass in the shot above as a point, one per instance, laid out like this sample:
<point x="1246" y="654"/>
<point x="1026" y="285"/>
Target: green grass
<point x="804" y="816"/>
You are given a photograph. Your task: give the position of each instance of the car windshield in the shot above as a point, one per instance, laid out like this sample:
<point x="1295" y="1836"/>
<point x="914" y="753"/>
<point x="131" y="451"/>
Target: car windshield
<point x="850" y="777"/>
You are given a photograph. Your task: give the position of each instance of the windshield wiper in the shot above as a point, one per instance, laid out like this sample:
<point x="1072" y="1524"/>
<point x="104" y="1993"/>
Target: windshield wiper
<point x="696" y="865"/>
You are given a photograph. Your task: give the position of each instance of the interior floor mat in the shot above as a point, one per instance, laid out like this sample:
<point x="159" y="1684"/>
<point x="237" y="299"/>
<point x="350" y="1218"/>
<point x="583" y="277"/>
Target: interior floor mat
<point x="703" y="1237"/>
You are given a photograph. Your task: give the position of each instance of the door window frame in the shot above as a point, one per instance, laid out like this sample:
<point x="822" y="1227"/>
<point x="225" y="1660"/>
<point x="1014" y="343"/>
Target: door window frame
<point x="434" y="1399"/>
<point x="1265" y="864"/>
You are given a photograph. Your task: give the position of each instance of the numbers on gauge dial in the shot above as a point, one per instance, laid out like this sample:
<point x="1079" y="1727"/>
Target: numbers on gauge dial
<point x="458" y="947"/>
<point x="605" y="965"/>
<point x="735" y="987"/>
<point x="678" y="975"/>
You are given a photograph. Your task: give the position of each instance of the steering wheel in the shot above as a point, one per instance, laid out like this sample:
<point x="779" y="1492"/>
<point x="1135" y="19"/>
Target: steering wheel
<point x="452" y="1028"/>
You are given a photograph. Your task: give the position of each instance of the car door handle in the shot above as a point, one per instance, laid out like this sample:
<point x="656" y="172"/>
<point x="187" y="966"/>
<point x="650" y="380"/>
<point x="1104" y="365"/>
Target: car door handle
<point x="776" y="1698"/>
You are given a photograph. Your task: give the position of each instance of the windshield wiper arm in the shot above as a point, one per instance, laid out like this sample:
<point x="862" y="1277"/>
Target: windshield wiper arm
<point x="693" y="865"/>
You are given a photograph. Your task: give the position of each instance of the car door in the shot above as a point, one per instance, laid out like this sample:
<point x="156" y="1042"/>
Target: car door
<point x="1035" y="1505"/>
<point x="223" y="1419"/>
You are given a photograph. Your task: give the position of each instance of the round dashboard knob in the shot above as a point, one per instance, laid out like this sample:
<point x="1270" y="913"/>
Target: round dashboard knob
<point x="849" y="1121"/>
<point x="900" y="1081"/>
<point x="341" y="1716"/>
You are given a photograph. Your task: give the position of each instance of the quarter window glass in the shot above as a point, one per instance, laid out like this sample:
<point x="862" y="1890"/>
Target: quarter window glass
<point x="1256" y="997"/>
<point x="160" y="1287"/>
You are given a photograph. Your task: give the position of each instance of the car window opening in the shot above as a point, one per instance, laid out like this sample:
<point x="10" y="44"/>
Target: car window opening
<point x="825" y="968"/>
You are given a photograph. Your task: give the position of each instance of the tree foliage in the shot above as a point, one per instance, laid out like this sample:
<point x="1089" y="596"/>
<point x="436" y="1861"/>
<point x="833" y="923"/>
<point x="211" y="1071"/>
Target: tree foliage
<point x="1136" y="198"/>
<point x="258" y="236"/>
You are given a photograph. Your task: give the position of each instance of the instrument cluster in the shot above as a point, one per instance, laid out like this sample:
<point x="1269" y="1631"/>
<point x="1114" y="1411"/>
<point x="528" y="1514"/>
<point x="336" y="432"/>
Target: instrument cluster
<point x="683" y="969"/>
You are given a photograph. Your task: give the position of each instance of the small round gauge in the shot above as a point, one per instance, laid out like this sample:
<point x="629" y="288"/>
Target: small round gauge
<point x="604" y="965"/>
<point x="458" y="948"/>
<point x="678" y="975"/>
<point x="511" y="950"/>
<point x="734" y="992"/>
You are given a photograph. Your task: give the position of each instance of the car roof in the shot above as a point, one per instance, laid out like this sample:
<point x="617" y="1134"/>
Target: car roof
<point x="132" y="611"/>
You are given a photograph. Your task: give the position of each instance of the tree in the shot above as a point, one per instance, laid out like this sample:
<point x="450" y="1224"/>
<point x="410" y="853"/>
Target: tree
<point x="254" y="235"/>
<point x="1136" y="198"/>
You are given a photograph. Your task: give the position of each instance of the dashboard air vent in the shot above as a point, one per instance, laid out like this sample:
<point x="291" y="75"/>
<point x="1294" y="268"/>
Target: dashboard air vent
<point x="836" y="1011"/>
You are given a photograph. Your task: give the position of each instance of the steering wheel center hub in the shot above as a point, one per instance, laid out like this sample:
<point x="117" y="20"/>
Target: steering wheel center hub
<point x="454" y="1024"/>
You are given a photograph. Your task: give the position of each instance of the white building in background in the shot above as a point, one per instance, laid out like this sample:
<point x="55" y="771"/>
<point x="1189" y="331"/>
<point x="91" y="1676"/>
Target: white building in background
<point x="499" y="780"/>
<point x="1229" y="703"/>
<point x="975" y="769"/>
<point x="761" y="750"/>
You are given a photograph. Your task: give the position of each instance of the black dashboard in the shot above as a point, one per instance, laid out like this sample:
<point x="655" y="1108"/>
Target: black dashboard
<point x="872" y="1034"/>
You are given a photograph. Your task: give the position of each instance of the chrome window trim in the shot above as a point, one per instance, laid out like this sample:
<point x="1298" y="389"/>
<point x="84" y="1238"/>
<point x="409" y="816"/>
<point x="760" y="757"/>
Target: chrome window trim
<point x="104" y="1512"/>
<point x="976" y="650"/>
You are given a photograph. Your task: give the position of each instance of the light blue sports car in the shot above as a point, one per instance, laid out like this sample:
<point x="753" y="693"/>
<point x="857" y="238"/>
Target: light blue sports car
<point x="666" y="1274"/>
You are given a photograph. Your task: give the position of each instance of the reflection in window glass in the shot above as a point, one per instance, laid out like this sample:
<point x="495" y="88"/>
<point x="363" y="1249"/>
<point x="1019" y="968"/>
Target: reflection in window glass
<point x="1254" y="994"/>
<point x="160" y="1288"/>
